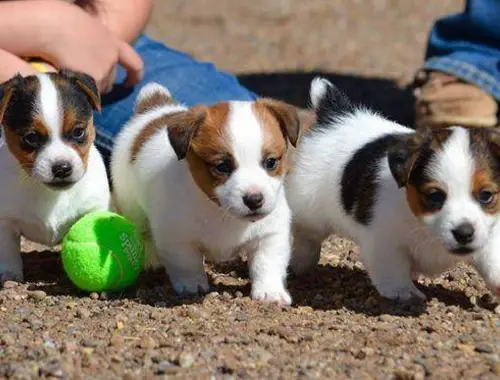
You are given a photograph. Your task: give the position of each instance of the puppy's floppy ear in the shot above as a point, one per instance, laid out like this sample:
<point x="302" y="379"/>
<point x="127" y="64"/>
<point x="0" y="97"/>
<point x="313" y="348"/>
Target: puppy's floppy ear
<point x="182" y="126"/>
<point x="286" y="115"/>
<point x="403" y="155"/>
<point x="6" y="91"/>
<point x="86" y="84"/>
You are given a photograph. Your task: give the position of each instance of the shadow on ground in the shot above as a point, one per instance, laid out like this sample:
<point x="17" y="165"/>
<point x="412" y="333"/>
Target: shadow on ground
<point x="381" y="94"/>
<point x="327" y="287"/>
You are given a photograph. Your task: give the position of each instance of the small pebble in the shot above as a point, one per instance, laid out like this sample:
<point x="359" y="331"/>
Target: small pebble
<point x="69" y="346"/>
<point x="37" y="295"/>
<point x="10" y="284"/>
<point x="82" y="313"/>
<point x="165" y="368"/>
<point x="155" y="315"/>
<point x="148" y="343"/>
<point x="116" y="340"/>
<point x="185" y="359"/>
<point x="90" y="343"/>
<point x="226" y="296"/>
<point x="7" y="340"/>
<point x="94" y="296"/>
<point x="305" y="309"/>
<point x="238" y="294"/>
<point x="483" y="348"/>
<point x="385" y="318"/>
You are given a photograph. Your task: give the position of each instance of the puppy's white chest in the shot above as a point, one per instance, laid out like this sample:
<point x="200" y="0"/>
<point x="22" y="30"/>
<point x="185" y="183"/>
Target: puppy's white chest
<point x="220" y="241"/>
<point x="46" y="222"/>
<point x="47" y="232"/>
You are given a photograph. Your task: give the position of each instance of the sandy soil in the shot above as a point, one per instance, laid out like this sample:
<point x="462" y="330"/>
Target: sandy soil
<point x="338" y="326"/>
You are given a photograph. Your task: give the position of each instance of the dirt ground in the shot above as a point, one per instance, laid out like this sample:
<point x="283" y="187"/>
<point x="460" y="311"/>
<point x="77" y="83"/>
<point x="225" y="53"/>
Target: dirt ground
<point x="338" y="327"/>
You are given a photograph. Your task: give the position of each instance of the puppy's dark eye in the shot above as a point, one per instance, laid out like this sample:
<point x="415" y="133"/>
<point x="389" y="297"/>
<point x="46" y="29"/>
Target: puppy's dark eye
<point x="435" y="198"/>
<point x="270" y="163"/>
<point x="485" y="197"/>
<point x="225" y="167"/>
<point x="32" y="139"/>
<point x="78" y="133"/>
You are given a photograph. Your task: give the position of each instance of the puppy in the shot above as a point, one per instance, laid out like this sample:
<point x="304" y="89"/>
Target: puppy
<point x="51" y="173"/>
<point x="415" y="202"/>
<point x="208" y="182"/>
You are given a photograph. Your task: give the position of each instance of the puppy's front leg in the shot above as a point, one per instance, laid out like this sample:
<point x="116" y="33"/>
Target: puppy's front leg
<point x="390" y="270"/>
<point x="487" y="262"/>
<point x="11" y="264"/>
<point x="185" y="269"/>
<point x="268" y="268"/>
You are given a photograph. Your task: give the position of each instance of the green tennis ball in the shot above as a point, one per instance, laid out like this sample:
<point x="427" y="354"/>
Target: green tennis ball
<point x="103" y="251"/>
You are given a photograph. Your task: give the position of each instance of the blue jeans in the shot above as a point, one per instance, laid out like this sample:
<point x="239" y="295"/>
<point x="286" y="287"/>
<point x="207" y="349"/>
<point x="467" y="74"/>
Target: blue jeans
<point x="467" y="45"/>
<point x="189" y="81"/>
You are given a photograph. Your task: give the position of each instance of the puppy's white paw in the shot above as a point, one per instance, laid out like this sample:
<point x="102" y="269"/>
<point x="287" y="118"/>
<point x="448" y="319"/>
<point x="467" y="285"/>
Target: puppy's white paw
<point x="401" y="293"/>
<point x="190" y="285"/>
<point x="271" y="293"/>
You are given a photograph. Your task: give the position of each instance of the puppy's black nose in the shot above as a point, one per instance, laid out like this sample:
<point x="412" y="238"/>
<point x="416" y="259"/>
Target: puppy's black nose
<point x="464" y="233"/>
<point x="62" y="170"/>
<point x="253" y="201"/>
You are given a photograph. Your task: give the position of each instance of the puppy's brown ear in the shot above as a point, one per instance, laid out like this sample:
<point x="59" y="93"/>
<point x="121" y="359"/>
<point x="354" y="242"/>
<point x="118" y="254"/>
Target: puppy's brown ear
<point x="403" y="154"/>
<point x="182" y="127"/>
<point x="287" y="117"/>
<point x="86" y="84"/>
<point x="6" y="91"/>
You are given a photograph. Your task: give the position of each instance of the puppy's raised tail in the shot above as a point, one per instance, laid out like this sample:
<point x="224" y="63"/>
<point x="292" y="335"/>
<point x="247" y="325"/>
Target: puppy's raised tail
<point x="151" y="96"/>
<point x="328" y="101"/>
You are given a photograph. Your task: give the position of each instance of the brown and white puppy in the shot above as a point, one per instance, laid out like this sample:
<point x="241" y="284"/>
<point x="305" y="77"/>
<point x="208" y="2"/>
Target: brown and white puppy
<point x="415" y="202"/>
<point x="208" y="182"/>
<point x="51" y="173"/>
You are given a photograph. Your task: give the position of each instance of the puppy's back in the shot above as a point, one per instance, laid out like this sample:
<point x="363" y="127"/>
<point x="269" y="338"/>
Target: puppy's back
<point x="339" y="162"/>
<point x="143" y="136"/>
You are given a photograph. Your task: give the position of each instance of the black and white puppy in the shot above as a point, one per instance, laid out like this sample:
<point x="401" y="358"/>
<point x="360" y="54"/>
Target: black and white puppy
<point x="50" y="172"/>
<point x="415" y="202"/>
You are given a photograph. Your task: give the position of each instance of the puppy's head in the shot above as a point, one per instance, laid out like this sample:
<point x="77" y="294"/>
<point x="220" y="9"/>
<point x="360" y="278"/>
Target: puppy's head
<point x="452" y="180"/>
<point x="47" y="124"/>
<point x="236" y="152"/>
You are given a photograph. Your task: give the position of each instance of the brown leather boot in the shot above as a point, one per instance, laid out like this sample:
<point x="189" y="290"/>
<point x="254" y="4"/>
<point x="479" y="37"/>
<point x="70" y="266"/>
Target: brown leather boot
<point x="444" y="100"/>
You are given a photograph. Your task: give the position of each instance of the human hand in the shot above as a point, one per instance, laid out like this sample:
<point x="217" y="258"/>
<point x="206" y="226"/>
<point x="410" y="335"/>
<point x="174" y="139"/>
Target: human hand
<point x="86" y="45"/>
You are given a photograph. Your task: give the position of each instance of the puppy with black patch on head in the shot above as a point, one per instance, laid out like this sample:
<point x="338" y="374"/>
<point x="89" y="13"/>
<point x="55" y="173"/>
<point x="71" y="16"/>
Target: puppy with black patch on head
<point x="207" y="181"/>
<point x="50" y="172"/>
<point x="415" y="202"/>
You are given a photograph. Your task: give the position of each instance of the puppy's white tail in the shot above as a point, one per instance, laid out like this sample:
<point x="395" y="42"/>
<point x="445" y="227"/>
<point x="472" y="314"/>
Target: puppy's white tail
<point x="328" y="101"/>
<point x="151" y="96"/>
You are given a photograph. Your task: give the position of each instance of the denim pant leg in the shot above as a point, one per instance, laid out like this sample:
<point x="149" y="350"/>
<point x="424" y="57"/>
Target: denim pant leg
<point x="189" y="81"/>
<point x="467" y="45"/>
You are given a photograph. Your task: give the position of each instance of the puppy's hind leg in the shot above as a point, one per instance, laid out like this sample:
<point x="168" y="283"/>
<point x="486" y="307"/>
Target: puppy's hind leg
<point x="11" y="264"/>
<point x="305" y="252"/>
<point x="389" y="269"/>
<point x="185" y="269"/>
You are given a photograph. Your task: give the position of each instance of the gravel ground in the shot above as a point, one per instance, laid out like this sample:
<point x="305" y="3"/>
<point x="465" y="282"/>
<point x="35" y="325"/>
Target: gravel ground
<point x="338" y="327"/>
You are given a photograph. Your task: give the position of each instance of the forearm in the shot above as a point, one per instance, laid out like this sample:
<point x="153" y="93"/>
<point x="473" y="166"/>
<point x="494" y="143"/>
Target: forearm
<point x="124" y="18"/>
<point x="27" y="26"/>
<point x="11" y="65"/>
